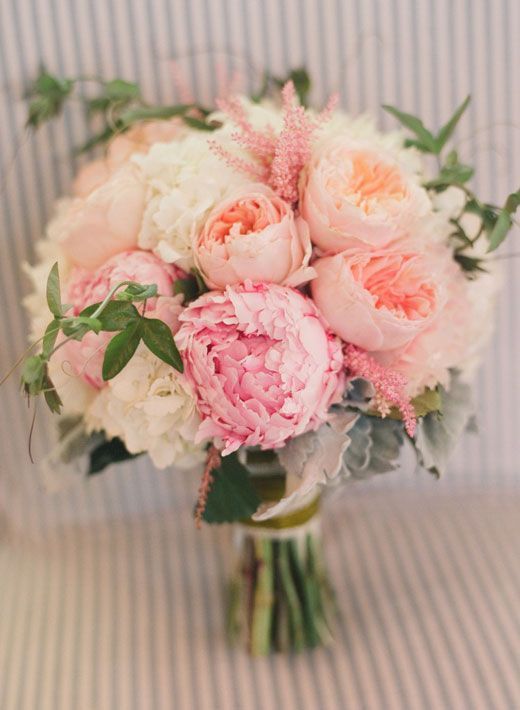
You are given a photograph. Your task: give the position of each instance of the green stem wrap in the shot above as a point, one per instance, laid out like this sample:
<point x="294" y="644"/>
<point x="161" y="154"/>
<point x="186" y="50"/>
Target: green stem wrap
<point x="280" y="597"/>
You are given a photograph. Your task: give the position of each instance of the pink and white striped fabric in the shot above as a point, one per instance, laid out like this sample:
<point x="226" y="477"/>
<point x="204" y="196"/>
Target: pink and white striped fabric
<point x="109" y="598"/>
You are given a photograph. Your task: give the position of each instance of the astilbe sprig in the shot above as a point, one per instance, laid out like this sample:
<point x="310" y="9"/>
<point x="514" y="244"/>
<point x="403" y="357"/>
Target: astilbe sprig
<point x="390" y="385"/>
<point x="278" y="158"/>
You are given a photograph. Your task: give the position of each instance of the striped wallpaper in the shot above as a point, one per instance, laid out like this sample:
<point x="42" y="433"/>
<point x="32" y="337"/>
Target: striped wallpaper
<point x="99" y="608"/>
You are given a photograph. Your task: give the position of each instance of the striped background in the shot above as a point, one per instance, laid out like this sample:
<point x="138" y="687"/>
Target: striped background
<point x="108" y="597"/>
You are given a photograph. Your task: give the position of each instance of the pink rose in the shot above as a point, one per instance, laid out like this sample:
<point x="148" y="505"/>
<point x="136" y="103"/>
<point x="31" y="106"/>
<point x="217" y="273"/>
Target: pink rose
<point x="106" y="222"/>
<point x="262" y="364"/>
<point x="253" y="235"/>
<point x="376" y="300"/>
<point x="83" y="288"/>
<point x="137" y="139"/>
<point x="356" y="197"/>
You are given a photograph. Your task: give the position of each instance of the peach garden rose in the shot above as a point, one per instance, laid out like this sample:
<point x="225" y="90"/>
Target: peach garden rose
<point x="253" y="235"/>
<point x="376" y="300"/>
<point x="354" y="196"/>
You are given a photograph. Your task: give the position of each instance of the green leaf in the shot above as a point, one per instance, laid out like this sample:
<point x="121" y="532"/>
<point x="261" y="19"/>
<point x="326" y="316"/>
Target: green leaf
<point x="121" y="90"/>
<point x="231" y="496"/>
<point x="120" y="350"/>
<point x="98" y="139"/>
<point x="200" y="281"/>
<point x="457" y="174"/>
<point x="199" y="125"/>
<point x="158" y="338"/>
<point x="146" y="113"/>
<point x="51" y="396"/>
<point x="33" y="372"/>
<point x="116" y="315"/>
<point x="137" y="292"/>
<point x="469" y="264"/>
<point x="112" y="451"/>
<point x="426" y="402"/>
<point x="49" y="339"/>
<point x="188" y="287"/>
<point x="447" y="130"/>
<point x="504" y="221"/>
<point x="53" y="292"/>
<point x="47" y="94"/>
<point x="415" y="125"/>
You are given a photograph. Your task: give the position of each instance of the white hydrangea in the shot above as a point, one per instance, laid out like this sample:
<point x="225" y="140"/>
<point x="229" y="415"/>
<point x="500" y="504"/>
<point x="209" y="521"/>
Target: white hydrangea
<point x="151" y="407"/>
<point x="185" y="181"/>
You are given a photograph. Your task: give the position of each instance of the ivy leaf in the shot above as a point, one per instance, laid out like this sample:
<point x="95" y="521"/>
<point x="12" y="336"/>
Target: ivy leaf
<point x="98" y="139"/>
<point x="120" y="350"/>
<point x="116" y="315"/>
<point x="158" y="338"/>
<point x="53" y="292"/>
<point x="48" y="94"/>
<point x="231" y="496"/>
<point x="446" y="131"/>
<point x="414" y="124"/>
<point x="106" y="453"/>
<point x="49" y="339"/>
<point x="504" y="221"/>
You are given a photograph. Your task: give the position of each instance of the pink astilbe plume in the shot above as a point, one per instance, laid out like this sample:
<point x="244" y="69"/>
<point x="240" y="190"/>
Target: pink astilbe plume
<point x="279" y="159"/>
<point x="389" y="384"/>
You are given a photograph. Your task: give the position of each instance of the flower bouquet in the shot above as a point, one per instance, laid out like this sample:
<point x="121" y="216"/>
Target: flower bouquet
<point x="279" y="297"/>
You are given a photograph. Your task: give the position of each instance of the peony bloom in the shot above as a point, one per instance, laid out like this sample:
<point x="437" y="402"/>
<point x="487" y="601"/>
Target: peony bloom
<point x="137" y="139"/>
<point x="377" y="300"/>
<point x="262" y="364"/>
<point x="105" y="223"/>
<point x="253" y="235"/>
<point x="85" y="357"/>
<point x="151" y="407"/>
<point x="355" y="196"/>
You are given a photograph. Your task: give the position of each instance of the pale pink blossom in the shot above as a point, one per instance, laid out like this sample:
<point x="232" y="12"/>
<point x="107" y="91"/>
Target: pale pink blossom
<point x="106" y="222"/>
<point x="262" y="363"/>
<point x="85" y="358"/>
<point x="137" y="139"/>
<point x="377" y="300"/>
<point x="253" y="235"/>
<point x="354" y="196"/>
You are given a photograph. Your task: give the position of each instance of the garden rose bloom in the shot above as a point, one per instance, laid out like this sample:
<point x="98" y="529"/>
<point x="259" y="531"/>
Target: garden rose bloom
<point x="262" y="364"/>
<point x="106" y="222"/>
<point x="376" y="300"/>
<point x="137" y="139"/>
<point x="85" y="357"/>
<point x="354" y="196"/>
<point x="253" y="235"/>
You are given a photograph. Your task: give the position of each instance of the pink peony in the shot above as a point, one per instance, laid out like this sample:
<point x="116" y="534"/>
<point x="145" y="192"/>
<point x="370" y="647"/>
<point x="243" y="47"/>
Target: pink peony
<point x="376" y="300"/>
<point x="85" y="357"/>
<point x="356" y="197"/>
<point x="253" y="235"/>
<point x="106" y="222"/>
<point x="262" y="363"/>
<point x="137" y="139"/>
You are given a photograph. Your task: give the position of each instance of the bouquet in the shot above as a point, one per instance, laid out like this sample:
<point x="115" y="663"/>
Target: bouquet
<point x="277" y="297"/>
